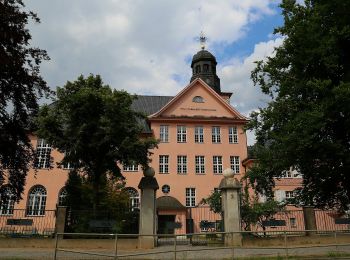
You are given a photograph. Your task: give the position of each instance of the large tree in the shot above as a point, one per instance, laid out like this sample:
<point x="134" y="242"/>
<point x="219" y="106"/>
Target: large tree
<point x="95" y="127"/>
<point x="20" y="88"/>
<point x="306" y="126"/>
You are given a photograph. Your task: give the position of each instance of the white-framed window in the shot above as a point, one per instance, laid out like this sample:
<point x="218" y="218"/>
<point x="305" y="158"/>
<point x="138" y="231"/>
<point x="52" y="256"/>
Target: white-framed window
<point x="190" y="197"/>
<point x="7" y="201"/>
<point x="199" y="134"/>
<point x="62" y="197"/>
<point x="200" y="164"/>
<point x="291" y="174"/>
<point x="181" y="134"/>
<point x="289" y="194"/>
<point x="134" y="198"/>
<point x="163" y="163"/>
<point x="36" y="201"/>
<point x="67" y="165"/>
<point x="131" y="168"/>
<point x="164" y="133"/>
<point x="232" y="135"/>
<point x="217" y="164"/>
<point x="43" y="155"/>
<point x="182" y="164"/>
<point x="234" y="162"/>
<point x="216" y="134"/>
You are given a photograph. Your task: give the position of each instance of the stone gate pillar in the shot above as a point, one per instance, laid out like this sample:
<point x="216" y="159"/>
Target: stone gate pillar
<point x="309" y="220"/>
<point x="230" y="199"/>
<point x="148" y="186"/>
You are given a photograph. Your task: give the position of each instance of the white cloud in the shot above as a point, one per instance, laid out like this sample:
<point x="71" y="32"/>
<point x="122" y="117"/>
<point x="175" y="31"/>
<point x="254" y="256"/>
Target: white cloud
<point x="144" y="46"/>
<point x="235" y="75"/>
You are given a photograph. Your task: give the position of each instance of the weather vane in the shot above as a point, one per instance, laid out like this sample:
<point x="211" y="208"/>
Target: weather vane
<point x="202" y="40"/>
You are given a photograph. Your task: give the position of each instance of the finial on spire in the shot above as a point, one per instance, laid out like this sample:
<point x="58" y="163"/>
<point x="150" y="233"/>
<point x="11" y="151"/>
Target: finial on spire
<point x="202" y="40"/>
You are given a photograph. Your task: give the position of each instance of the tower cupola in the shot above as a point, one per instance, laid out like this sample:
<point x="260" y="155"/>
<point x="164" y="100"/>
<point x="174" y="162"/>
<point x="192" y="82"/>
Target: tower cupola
<point x="204" y="66"/>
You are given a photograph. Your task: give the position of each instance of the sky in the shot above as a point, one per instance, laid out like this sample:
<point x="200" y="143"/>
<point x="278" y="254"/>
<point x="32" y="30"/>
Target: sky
<point x="146" y="46"/>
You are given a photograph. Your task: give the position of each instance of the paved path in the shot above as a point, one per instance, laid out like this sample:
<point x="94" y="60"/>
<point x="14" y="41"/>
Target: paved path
<point x="43" y="254"/>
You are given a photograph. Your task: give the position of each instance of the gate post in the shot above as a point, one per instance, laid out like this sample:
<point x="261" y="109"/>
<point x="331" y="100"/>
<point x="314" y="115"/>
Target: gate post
<point x="148" y="186"/>
<point x="309" y="220"/>
<point x="61" y="214"/>
<point x="230" y="198"/>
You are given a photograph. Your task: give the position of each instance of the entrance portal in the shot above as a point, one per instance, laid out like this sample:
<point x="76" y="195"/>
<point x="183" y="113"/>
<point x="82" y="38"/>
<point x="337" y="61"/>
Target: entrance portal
<point x="166" y="224"/>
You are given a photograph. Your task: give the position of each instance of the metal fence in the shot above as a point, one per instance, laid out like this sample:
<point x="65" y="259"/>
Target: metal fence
<point x="20" y="224"/>
<point x="329" y="245"/>
<point x="102" y="221"/>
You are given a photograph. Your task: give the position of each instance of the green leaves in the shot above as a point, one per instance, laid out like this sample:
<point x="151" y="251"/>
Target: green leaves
<point x="305" y="126"/>
<point x="20" y="88"/>
<point x="95" y="127"/>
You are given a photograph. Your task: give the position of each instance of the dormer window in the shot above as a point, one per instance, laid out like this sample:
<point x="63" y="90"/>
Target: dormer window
<point x="198" y="99"/>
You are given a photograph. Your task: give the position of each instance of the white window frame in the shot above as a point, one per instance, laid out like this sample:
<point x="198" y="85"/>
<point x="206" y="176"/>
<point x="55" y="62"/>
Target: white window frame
<point x="43" y="155"/>
<point x="164" y="164"/>
<point x="134" y="198"/>
<point x="190" y="197"/>
<point x="164" y="133"/>
<point x="234" y="163"/>
<point x="8" y="207"/>
<point x="217" y="164"/>
<point x="181" y="134"/>
<point x="200" y="164"/>
<point x="199" y="134"/>
<point x="62" y="196"/>
<point x="232" y="135"/>
<point x="182" y="164"/>
<point x="36" y="201"/>
<point x="216" y="134"/>
<point x="290" y="194"/>
<point x="131" y="168"/>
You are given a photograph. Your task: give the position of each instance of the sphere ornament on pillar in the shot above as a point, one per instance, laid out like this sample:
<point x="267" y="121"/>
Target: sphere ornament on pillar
<point x="228" y="173"/>
<point x="149" y="172"/>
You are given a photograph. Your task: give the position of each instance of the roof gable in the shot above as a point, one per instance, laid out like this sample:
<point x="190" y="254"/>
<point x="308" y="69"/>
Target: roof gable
<point x="198" y="100"/>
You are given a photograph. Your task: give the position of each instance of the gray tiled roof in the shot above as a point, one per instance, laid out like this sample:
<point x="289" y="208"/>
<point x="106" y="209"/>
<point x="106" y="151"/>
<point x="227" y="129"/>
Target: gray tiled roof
<point x="149" y="105"/>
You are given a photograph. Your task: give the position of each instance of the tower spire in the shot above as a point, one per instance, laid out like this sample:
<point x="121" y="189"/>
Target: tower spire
<point x="202" y="40"/>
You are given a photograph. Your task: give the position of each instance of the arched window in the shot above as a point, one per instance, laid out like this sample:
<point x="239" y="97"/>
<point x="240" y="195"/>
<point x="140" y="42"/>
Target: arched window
<point x="206" y="67"/>
<point x="198" y="99"/>
<point x="198" y="69"/>
<point x="134" y="198"/>
<point x="62" y="197"/>
<point x="36" y="201"/>
<point x="7" y="200"/>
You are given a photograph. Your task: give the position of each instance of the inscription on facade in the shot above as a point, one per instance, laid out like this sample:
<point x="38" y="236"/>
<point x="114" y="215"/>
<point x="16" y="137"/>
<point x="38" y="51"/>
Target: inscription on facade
<point x="198" y="109"/>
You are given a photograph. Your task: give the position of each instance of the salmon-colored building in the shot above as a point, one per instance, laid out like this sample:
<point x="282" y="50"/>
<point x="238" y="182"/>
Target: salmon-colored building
<point x="200" y="135"/>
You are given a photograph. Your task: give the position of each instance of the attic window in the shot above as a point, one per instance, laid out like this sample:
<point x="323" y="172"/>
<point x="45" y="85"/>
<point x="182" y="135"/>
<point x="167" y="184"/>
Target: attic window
<point x="198" y="99"/>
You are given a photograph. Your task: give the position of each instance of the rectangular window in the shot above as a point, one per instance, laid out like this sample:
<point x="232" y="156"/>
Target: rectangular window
<point x="163" y="163"/>
<point x="200" y="167"/>
<point x="7" y="203"/>
<point x="181" y="134"/>
<point x="198" y="134"/>
<point x="164" y="133"/>
<point x="232" y="135"/>
<point x="190" y="197"/>
<point x="217" y="164"/>
<point x="234" y="162"/>
<point x="131" y="168"/>
<point x="293" y="222"/>
<point x="67" y="165"/>
<point x="43" y="155"/>
<point x="182" y="164"/>
<point x="215" y="134"/>
<point x="289" y="194"/>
